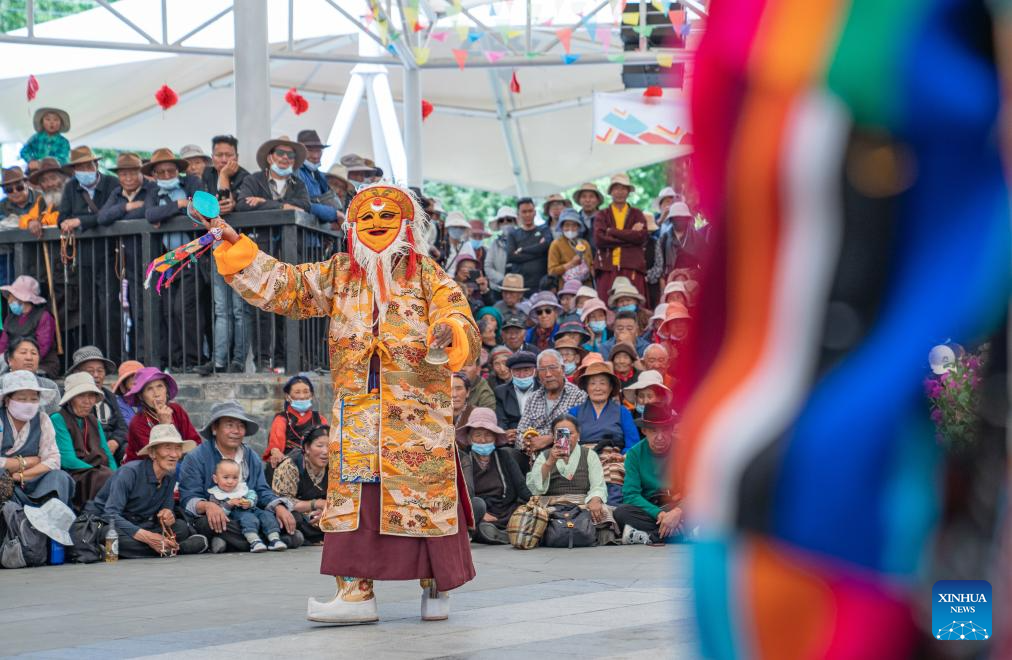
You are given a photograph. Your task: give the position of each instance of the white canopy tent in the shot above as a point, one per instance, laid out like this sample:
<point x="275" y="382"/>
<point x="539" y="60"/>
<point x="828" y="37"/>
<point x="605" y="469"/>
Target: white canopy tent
<point x="480" y="135"/>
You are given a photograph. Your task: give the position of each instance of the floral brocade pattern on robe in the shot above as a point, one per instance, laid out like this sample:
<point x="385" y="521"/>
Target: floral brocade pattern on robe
<point x="417" y="456"/>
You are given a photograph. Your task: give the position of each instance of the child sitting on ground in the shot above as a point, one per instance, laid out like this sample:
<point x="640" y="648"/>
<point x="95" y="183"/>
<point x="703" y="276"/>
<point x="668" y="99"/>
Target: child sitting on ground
<point x="236" y="499"/>
<point x="49" y="124"/>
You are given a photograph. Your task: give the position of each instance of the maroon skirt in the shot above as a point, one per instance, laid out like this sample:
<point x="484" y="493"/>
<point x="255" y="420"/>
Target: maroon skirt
<point x="365" y="553"/>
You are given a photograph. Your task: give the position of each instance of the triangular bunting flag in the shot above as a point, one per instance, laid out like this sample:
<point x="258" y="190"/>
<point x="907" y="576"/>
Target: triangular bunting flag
<point x="513" y="34"/>
<point x="665" y="60"/>
<point x="603" y="36"/>
<point x="491" y="9"/>
<point x="569" y="58"/>
<point x="494" y="56"/>
<point x="643" y="30"/>
<point x="421" y="55"/>
<point x="455" y="9"/>
<point x="617" y="58"/>
<point x="440" y="36"/>
<point x="530" y="56"/>
<point x="462" y="31"/>
<point x="475" y="36"/>
<point x="631" y="18"/>
<point x="461" y="57"/>
<point x="591" y="30"/>
<point x="677" y="18"/>
<point x="565" y="36"/>
<point x="410" y="16"/>
<point x="661" y="6"/>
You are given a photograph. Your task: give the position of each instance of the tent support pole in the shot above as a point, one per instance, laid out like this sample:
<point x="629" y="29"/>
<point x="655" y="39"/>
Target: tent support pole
<point x="413" y="125"/>
<point x="507" y="134"/>
<point x="346" y="112"/>
<point x="252" y="79"/>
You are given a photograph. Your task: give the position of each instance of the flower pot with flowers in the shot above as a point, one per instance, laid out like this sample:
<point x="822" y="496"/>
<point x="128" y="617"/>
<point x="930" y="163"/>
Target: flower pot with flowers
<point x="954" y="395"/>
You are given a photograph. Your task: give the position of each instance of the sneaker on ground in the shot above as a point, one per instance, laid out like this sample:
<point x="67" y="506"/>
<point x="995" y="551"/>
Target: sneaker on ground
<point x="258" y="546"/>
<point x="218" y="545"/>
<point x="633" y="536"/>
<point x="277" y="545"/>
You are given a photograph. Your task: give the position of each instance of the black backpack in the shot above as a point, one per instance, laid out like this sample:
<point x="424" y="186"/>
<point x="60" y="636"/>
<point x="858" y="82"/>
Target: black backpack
<point x="88" y="534"/>
<point x="23" y="545"/>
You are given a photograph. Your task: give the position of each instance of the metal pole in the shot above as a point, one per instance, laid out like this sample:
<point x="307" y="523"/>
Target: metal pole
<point x="252" y="79"/>
<point x="643" y="24"/>
<point x="379" y="143"/>
<point x="507" y="133"/>
<point x="413" y="125"/>
<point x="30" y="17"/>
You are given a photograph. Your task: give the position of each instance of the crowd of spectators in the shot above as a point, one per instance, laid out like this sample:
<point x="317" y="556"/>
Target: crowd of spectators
<point x="582" y="314"/>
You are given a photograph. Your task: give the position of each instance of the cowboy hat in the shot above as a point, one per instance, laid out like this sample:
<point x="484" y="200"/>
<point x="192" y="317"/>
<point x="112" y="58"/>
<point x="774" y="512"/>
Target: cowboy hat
<point x="127" y="160"/>
<point x="648" y="378"/>
<point x="356" y="163"/>
<point x="77" y="384"/>
<point x="283" y="141"/>
<point x="164" y="155"/>
<point x="601" y="368"/>
<point x="149" y="375"/>
<point x="18" y="381"/>
<point x="310" y="138"/>
<point x="12" y="175"/>
<point x="229" y="409"/>
<point x="480" y="418"/>
<point x="551" y="199"/>
<point x="620" y="180"/>
<point x="593" y="305"/>
<point x="338" y="171"/>
<point x="42" y="112"/>
<point x="656" y="414"/>
<point x="625" y="292"/>
<point x="89" y="354"/>
<point x="26" y="289"/>
<point x="588" y="187"/>
<point x="456" y="219"/>
<point x="193" y="151"/>
<point x="513" y="282"/>
<point x="46" y="165"/>
<point x="165" y="434"/>
<point x="80" y="156"/>
<point x="127" y="369"/>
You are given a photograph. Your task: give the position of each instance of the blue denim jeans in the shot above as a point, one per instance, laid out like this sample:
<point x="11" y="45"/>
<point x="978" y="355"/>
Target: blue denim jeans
<point x="231" y="322"/>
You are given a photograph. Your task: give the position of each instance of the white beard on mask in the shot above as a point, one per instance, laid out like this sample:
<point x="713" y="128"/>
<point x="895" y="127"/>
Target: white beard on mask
<point x="379" y="266"/>
<point x="53" y="198"/>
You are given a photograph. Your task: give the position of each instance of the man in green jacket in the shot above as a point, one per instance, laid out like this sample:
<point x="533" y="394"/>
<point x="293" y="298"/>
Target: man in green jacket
<point x="650" y="512"/>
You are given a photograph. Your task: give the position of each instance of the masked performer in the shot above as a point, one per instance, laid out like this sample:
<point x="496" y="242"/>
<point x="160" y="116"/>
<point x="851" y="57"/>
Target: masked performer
<point x="396" y="506"/>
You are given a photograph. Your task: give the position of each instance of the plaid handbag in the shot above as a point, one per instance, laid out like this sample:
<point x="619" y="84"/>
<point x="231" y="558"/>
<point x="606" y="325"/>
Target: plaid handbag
<point x="527" y="524"/>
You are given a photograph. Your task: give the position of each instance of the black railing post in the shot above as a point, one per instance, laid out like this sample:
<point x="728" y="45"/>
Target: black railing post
<point x="290" y="254"/>
<point x="152" y="330"/>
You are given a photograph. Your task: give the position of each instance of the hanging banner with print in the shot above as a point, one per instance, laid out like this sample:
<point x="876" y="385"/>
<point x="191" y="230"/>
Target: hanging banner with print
<point x="629" y="117"/>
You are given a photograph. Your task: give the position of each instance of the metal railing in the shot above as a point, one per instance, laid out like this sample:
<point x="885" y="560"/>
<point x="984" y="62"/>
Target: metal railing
<point x="86" y="282"/>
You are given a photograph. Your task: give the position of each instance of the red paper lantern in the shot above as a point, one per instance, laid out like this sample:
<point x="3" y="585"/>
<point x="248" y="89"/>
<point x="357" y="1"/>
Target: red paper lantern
<point x="31" y="88"/>
<point x="653" y="92"/>
<point x="166" y="97"/>
<point x="427" y="109"/>
<point x="515" y="83"/>
<point x="296" y="101"/>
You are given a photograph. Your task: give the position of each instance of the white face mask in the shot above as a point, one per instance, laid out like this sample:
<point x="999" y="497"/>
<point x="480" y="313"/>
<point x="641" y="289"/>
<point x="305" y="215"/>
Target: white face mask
<point x="22" y="410"/>
<point x="571" y="234"/>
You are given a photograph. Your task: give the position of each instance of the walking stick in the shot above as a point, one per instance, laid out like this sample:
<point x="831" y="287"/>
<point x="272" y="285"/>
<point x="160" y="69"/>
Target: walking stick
<point x="52" y="298"/>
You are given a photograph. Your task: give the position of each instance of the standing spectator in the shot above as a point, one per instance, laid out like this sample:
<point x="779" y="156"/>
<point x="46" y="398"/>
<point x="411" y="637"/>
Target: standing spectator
<point x="569" y="255"/>
<point x="361" y="171"/>
<point x="126" y="375"/>
<point x="89" y="359"/>
<point x="495" y="262"/>
<point x="549" y="403"/>
<point x="47" y="142"/>
<point x="28" y="317"/>
<point x="511" y="398"/>
<point x="544" y="313"/>
<point x="589" y="199"/>
<point x="152" y="394"/>
<point x="197" y="159"/>
<point x="224" y="176"/>
<point x="84" y="452"/>
<point x="551" y="210"/>
<point x="18" y="197"/>
<point x="512" y="289"/>
<point x="620" y="233"/>
<point x="601" y="416"/>
<point x="457" y="228"/>
<point x="680" y="245"/>
<point x="323" y="203"/>
<point x="50" y="179"/>
<point x="337" y="179"/>
<point x="527" y="246"/>
<point x="85" y="193"/>
<point x="289" y="428"/>
<point x="126" y="202"/>
<point x="651" y="511"/>
<point x="476" y="236"/>
<point x="274" y="186"/>
<point x="514" y="333"/>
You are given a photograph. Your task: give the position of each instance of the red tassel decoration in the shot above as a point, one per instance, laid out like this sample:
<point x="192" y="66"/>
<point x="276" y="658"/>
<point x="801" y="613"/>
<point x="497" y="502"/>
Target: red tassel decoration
<point x="166" y="97"/>
<point x="515" y="83"/>
<point x="297" y="101"/>
<point x="355" y="270"/>
<point x="427" y="109"/>
<point x="31" y="88"/>
<point x="409" y="271"/>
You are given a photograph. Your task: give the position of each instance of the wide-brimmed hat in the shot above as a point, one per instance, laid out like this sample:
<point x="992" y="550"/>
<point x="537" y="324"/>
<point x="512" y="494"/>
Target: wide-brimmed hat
<point x="522" y="359"/>
<point x="572" y="327"/>
<point x="164" y="155"/>
<point x="623" y="291"/>
<point x="551" y="199"/>
<point x="513" y="282"/>
<point x="660" y="312"/>
<point x="80" y="156"/>
<point x="569" y="341"/>
<point x="588" y="187"/>
<point x="338" y="171"/>
<point x="310" y="138"/>
<point x="675" y="287"/>
<point x="505" y="212"/>
<point x="26" y="289"/>
<point x="127" y="160"/>
<point x="53" y="519"/>
<point x="590" y="358"/>
<point x="593" y="305"/>
<point x="456" y="219"/>
<point x="46" y="165"/>
<point x="42" y="112"/>
<point x="356" y="163"/>
<point x="673" y="312"/>
<point x="679" y="210"/>
<point x="601" y="368"/>
<point x="193" y="151"/>
<point x="165" y="434"/>
<point x="626" y="348"/>
<point x="586" y="292"/>
<point x="229" y="409"/>
<point x="656" y="414"/>
<point x="513" y="320"/>
<point x="480" y="418"/>
<point x="466" y="253"/>
<point x="283" y="141"/>
<point x="620" y="180"/>
<point x="544" y="299"/>
<point x="126" y="369"/>
<point x="149" y="375"/>
<point x="570" y="215"/>
<point x="11" y="175"/>
<point x="77" y="384"/>
<point x="20" y="380"/>
<point x="478" y="229"/>
<point x="89" y="354"/>
<point x="648" y="378"/>
<point x="570" y="288"/>
<point x="666" y="192"/>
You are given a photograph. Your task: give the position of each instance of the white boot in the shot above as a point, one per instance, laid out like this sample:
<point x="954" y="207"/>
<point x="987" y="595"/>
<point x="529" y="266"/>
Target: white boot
<point x="435" y="603"/>
<point x="354" y="603"/>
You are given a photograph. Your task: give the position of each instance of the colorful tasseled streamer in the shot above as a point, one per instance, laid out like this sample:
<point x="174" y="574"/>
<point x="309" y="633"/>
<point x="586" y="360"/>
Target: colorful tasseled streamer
<point x="860" y="216"/>
<point x="172" y="262"/>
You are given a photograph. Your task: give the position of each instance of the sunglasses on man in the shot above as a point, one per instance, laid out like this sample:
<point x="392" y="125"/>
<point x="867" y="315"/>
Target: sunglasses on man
<point x="285" y="153"/>
<point x="17" y="187"/>
<point x="544" y="311"/>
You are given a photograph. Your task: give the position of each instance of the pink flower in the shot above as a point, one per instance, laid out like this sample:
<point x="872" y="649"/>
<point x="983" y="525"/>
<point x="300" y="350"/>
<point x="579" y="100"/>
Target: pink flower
<point x="936" y="416"/>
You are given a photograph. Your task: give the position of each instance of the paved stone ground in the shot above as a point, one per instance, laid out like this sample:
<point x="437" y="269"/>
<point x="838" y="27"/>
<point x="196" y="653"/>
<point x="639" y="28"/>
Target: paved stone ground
<point x="619" y="602"/>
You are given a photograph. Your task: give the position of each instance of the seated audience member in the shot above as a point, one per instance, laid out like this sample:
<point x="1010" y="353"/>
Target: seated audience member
<point x="623" y="360"/>
<point x="552" y="401"/>
<point x="231" y="494"/>
<point x="152" y="394"/>
<point x="290" y="425"/>
<point x="655" y="358"/>
<point x="489" y="319"/>
<point x="648" y="389"/>
<point x="573" y="477"/>
<point x="567" y="298"/>
<point x="598" y="319"/>
<point x="569" y="256"/>
<point x="49" y="178"/>
<point x="676" y="325"/>
<point x="308" y="490"/>
<point x="676" y="292"/>
<point x="274" y="186"/>
<point x="89" y="359"/>
<point x="28" y="317"/>
<point x="512" y="293"/>
<point x="627" y="331"/>
<point x="572" y="351"/>
<point x="544" y="313"/>
<point x="23" y="355"/>
<point x="650" y="332"/>
<point x="84" y="452"/>
<point x="460" y="389"/>
<point x="126" y="376"/>
<point x="584" y="294"/>
<point x="650" y="511"/>
<point x="126" y="201"/>
<point x="197" y="160"/>
<point x="514" y="330"/>
<point x="624" y="297"/>
<point x="85" y="193"/>
<point x="225" y="433"/>
<point x="588" y="359"/>
<point x="28" y="451"/>
<point x="493" y="478"/>
<point x="499" y="373"/>
<point x="511" y="398"/>
<point x="138" y="501"/>
<point x="601" y="416"/>
<point x="323" y="204"/>
<point x="18" y="197"/>
<point x="610" y="452"/>
<point x="481" y="394"/>
<point x="337" y="179"/>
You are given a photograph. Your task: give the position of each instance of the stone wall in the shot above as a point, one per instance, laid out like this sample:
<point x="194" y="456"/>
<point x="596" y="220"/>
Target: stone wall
<point x="260" y="395"/>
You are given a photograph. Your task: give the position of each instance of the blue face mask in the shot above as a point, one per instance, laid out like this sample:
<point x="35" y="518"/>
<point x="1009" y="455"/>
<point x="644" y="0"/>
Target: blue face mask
<point x="598" y="326"/>
<point x="640" y="408"/>
<point x="456" y="233"/>
<point x="302" y="405"/>
<point x="569" y="367"/>
<point x="476" y="243"/>
<point x="16" y="308"/>
<point x="311" y="165"/>
<point x="86" y="178"/>
<point x="287" y="171"/>
<point x="484" y="448"/>
<point x="168" y="184"/>
<point x="523" y="384"/>
<point x="626" y="308"/>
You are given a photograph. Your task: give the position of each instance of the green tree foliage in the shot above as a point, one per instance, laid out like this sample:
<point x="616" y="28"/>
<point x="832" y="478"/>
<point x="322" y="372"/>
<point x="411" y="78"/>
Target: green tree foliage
<point x="13" y="12"/>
